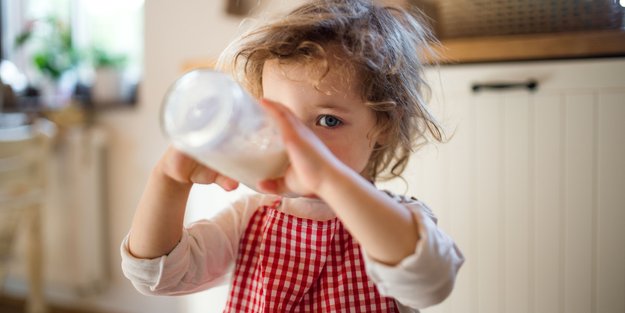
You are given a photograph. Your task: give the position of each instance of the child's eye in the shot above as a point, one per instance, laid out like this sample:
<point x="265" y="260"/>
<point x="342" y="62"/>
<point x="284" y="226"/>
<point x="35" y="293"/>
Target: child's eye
<point x="329" y="121"/>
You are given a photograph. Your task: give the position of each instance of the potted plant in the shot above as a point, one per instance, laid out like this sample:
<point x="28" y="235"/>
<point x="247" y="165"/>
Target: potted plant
<point x="48" y="42"/>
<point x="109" y="85"/>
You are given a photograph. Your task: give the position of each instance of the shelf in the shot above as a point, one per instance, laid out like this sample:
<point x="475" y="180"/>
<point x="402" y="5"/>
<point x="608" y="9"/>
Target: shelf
<point x="532" y="47"/>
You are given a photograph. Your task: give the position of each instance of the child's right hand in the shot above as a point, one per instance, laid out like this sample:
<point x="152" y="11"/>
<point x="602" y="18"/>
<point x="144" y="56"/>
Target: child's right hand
<point x="185" y="170"/>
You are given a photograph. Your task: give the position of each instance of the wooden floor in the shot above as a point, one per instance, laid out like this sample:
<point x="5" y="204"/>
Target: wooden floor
<point x="14" y="305"/>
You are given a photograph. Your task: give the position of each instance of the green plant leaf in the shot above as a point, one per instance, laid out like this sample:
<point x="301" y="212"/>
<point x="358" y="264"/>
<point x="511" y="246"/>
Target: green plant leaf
<point x="22" y="38"/>
<point x="55" y="53"/>
<point x="103" y="58"/>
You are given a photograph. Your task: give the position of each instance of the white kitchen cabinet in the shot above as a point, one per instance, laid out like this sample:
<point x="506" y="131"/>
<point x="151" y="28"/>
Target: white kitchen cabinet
<point x="531" y="185"/>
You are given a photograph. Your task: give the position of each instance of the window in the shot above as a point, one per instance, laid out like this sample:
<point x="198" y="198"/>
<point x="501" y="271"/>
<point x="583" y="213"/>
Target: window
<point x="103" y="33"/>
<point x="113" y="25"/>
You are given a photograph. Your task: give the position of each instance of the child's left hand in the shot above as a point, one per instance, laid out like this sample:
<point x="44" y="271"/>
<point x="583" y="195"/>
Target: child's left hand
<point x="311" y="161"/>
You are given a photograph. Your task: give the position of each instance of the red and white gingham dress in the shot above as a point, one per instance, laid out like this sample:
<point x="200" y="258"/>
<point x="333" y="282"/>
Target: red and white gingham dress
<point x="291" y="264"/>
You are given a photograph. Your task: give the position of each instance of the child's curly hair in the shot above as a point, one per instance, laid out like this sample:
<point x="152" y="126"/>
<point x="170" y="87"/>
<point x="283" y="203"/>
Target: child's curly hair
<point x="385" y="46"/>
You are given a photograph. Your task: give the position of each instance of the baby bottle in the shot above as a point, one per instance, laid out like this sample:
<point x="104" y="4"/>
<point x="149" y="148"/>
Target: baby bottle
<point x="211" y="118"/>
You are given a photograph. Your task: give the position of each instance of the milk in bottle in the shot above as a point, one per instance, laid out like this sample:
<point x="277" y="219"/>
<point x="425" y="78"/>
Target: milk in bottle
<point x="211" y="118"/>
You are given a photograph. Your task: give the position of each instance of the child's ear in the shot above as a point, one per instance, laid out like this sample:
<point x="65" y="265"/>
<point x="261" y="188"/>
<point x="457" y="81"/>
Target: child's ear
<point x="379" y="137"/>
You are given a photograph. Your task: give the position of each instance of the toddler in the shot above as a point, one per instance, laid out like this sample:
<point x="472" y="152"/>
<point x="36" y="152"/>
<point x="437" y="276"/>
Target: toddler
<point x="343" y="81"/>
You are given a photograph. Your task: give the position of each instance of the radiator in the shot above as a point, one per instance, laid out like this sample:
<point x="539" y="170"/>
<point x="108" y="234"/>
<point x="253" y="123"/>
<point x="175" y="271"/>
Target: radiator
<point x="74" y="218"/>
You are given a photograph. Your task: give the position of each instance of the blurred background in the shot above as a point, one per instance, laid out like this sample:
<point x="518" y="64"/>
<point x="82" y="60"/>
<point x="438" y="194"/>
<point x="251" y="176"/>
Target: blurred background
<point x="531" y="184"/>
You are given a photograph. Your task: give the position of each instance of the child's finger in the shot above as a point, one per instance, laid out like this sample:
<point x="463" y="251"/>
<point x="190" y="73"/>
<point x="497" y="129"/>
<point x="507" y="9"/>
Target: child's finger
<point x="283" y="186"/>
<point x="274" y="108"/>
<point x="287" y="122"/>
<point x="226" y="183"/>
<point x="202" y="175"/>
<point x="272" y="186"/>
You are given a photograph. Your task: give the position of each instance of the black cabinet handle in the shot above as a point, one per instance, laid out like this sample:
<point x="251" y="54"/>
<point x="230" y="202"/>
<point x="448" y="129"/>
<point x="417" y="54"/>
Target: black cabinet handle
<point x="530" y="85"/>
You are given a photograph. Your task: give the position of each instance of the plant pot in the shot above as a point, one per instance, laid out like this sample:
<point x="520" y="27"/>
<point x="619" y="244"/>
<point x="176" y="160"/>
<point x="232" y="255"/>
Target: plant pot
<point x="57" y="93"/>
<point x="109" y="86"/>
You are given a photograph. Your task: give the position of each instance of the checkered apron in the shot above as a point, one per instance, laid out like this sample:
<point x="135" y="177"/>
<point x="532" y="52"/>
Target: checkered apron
<point x="291" y="264"/>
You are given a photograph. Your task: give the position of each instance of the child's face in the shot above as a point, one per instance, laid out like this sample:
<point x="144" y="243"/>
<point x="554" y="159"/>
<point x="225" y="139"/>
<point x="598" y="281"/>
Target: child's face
<point x="335" y="111"/>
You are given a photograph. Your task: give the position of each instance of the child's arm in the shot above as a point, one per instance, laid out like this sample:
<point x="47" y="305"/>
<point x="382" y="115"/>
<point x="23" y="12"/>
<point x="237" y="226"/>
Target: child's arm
<point x="158" y="221"/>
<point x="203" y="257"/>
<point x="407" y="256"/>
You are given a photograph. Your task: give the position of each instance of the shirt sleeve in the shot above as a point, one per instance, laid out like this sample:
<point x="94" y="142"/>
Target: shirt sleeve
<point x="427" y="276"/>
<point x="202" y="259"/>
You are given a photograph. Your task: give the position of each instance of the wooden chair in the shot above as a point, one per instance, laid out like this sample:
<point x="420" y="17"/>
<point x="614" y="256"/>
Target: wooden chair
<point x="24" y="150"/>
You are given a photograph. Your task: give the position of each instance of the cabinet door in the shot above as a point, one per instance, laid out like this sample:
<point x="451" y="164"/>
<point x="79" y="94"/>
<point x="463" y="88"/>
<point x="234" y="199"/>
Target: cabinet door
<point x="531" y="185"/>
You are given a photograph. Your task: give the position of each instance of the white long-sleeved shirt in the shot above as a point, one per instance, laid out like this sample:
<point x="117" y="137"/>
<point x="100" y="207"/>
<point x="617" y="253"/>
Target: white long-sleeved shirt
<point x="207" y="251"/>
